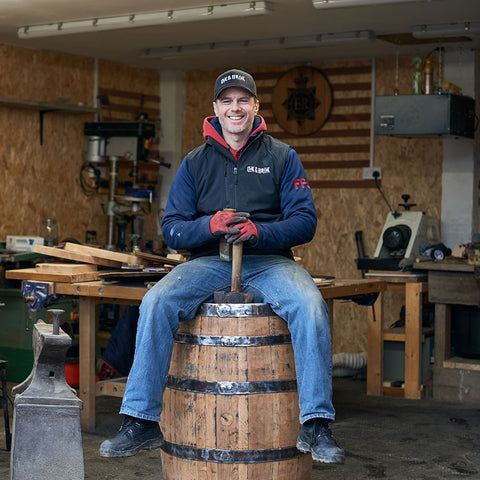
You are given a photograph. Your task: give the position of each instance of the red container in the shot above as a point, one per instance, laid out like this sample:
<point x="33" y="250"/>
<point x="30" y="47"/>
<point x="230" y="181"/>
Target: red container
<point x="72" y="374"/>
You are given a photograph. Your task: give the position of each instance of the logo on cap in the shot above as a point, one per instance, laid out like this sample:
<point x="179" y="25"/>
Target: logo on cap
<point x="232" y="77"/>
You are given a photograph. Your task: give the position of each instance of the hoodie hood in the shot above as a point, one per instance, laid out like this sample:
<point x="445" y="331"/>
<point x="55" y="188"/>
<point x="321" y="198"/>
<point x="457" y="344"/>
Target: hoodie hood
<point x="213" y="129"/>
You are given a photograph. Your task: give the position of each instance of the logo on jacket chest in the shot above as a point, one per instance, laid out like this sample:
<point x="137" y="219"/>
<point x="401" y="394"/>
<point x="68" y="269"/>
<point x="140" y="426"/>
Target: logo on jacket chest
<point x="253" y="169"/>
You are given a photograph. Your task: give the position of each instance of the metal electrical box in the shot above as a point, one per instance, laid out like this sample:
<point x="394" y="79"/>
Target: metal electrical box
<point x="425" y="115"/>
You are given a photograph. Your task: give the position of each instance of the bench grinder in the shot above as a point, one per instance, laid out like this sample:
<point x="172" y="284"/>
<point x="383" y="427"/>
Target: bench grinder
<point x="402" y="235"/>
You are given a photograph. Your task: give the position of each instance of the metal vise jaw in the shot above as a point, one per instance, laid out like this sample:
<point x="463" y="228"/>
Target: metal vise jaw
<point x="47" y="440"/>
<point x="38" y="294"/>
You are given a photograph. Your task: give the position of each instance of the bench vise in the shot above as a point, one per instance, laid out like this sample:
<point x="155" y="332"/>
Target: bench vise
<point x="38" y="295"/>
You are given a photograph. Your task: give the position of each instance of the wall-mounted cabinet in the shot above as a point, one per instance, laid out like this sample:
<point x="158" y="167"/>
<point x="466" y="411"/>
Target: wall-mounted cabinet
<point x="425" y="115"/>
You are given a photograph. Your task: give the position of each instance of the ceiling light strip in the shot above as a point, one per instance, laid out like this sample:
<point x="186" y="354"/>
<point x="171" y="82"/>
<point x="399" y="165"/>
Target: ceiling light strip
<point x="358" y="3"/>
<point x="446" y="30"/>
<point x="305" y="41"/>
<point x="167" y="17"/>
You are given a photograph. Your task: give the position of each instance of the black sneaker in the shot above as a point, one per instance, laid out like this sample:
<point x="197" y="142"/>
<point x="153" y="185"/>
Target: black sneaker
<point x="135" y="434"/>
<point x="316" y="437"/>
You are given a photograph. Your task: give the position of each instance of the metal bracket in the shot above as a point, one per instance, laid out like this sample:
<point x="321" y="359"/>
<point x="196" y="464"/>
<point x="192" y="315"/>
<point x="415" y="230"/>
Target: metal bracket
<point x="42" y="112"/>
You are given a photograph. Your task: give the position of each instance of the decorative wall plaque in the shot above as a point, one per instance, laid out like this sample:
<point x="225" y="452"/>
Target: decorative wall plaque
<point x="302" y="100"/>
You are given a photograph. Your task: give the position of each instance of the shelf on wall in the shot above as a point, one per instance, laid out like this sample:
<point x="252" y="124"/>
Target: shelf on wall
<point x="46" y="107"/>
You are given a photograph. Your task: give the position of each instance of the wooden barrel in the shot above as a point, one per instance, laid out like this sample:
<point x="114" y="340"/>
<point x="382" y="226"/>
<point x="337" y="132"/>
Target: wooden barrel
<point x="231" y="402"/>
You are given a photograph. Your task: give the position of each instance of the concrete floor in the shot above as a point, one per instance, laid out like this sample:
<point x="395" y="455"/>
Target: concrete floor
<point x="383" y="437"/>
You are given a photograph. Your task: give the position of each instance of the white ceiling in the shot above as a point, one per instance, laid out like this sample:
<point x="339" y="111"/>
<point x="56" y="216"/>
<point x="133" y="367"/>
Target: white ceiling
<point x="290" y="18"/>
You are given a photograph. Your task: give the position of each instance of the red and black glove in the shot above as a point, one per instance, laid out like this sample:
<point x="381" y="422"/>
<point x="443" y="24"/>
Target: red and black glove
<point x="247" y="232"/>
<point x="224" y="222"/>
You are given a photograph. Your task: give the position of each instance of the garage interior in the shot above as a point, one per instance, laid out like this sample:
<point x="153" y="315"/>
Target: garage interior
<point x="390" y="149"/>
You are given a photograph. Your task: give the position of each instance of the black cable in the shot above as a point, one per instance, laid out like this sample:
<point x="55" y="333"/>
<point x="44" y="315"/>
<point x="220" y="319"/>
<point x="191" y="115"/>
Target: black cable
<point x="394" y="213"/>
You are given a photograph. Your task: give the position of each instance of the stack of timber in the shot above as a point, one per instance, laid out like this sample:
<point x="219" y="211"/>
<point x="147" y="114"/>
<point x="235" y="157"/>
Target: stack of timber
<point x="83" y="263"/>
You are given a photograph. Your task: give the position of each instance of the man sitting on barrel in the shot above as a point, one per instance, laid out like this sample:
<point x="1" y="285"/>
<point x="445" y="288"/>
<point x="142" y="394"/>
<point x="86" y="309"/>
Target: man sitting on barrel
<point x="238" y="169"/>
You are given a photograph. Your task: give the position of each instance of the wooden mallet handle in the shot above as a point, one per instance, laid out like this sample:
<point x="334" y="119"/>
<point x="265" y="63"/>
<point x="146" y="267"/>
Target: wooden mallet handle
<point x="237" y="251"/>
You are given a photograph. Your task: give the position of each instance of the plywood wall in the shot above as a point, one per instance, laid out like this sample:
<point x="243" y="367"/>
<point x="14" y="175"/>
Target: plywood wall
<point x="411" y="166"/>
<point x="41" y="181"/>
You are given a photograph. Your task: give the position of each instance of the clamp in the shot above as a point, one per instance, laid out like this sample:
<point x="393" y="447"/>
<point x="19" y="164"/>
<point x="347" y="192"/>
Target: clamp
<point x="36" y="295"/>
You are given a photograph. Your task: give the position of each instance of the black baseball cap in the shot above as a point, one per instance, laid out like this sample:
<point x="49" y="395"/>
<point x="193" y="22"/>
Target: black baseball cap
<point x="235" y="78"/>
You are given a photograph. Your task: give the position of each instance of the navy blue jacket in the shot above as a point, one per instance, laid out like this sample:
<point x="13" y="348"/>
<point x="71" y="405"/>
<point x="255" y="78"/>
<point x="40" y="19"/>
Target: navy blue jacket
<point x="265" y="178"/>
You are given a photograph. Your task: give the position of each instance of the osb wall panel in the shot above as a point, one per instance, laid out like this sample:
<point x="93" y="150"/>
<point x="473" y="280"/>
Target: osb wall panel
<point x="411" y="166"/>
<point x="40" y="181"/>
<point x="113" y="76"/>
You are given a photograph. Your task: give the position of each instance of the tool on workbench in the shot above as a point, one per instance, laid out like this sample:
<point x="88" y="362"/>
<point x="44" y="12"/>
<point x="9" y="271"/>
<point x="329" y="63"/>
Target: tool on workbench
<point x="37" y="295"/>
<point x="401" y="237"/>
<point x="47" y="440"/>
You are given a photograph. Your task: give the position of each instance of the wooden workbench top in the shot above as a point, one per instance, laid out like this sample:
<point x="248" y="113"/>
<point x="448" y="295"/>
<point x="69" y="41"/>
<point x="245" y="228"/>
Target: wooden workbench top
<point x="458" y="265"/>
<point x="84" y="284"/>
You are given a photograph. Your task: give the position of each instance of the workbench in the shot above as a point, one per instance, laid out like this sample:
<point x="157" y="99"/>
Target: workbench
<point x="92" y="292"/>
<point x="452" y="282"/>
<point x="414" y="286"/>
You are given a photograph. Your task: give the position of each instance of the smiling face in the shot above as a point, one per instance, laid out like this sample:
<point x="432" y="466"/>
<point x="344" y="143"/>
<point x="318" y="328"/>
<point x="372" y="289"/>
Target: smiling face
<point x="236" y="109"/>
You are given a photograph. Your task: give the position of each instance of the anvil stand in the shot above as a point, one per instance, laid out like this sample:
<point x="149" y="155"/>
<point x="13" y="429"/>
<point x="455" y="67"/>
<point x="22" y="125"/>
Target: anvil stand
<point x="47" y="440"/>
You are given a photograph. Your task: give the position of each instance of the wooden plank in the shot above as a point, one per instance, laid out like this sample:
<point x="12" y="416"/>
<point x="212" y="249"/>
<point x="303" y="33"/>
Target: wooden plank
<point x="344" y="184"/>
<point x="77" y="257"/>
<point x="332" y="148"/>
<point x="336" y="87"/>
<point x="323" y="282"/>
<point x="393" y="337"/>
<point x="86" y="391"/>
<point x="158" y="259"/>
<point x="399" y="391"/>
<point x="443" y="316"/>
<point x="459" y="266"/>
<point x="334" y="117"/>
<point x="47" y="106"/>
<point x="413" y="340"/>
<point x="326" y="164"/>
<point x="34" y="274"/>
<point x="114" y="293"/>
<point x="464" y="363"/>
<point x="65" y="267"/>
<point x="456" y="385"/>
<point x="350" y="87"/>
<point x="105" y="254"/>
<point x="393" y="391"/>
<point x="350" y="117"/>
<point x="330" y="133"/>
<point x="347" y="288"/>
<point x="375" y="349"/>
<point x="398" y="334"/>
<point x="393" y="278"/>
<point x="453" y="288"/>
<point x="348" y="102"/>
<point x="112" y="388"/>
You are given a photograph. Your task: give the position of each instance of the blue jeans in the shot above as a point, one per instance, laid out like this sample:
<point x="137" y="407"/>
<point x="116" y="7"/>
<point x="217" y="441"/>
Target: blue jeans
<point x="276" y="280"/>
